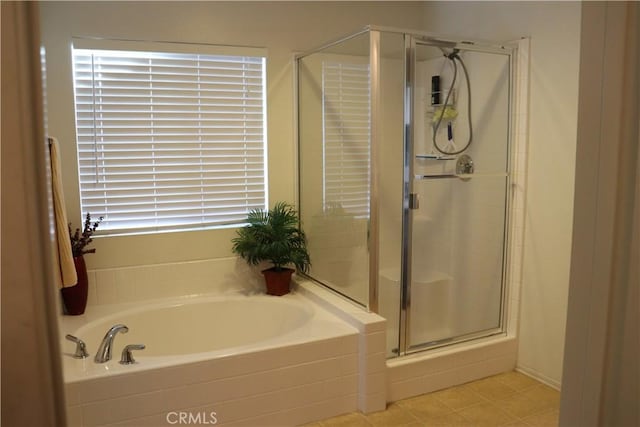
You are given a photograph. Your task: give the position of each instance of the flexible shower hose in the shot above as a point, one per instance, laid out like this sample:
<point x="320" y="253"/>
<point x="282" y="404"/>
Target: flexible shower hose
<point x="452" y="57"/>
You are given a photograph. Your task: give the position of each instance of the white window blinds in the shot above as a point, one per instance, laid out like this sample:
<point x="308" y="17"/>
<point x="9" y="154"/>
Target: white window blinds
<point x="169" y="140"/>
<point x="346" y="106"/>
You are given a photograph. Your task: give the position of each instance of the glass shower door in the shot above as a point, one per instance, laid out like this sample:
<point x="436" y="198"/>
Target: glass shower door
<point x="457" y="215"/>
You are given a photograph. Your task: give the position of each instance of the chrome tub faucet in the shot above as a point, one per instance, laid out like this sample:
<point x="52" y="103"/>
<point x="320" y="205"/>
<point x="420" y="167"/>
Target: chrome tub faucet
<point x="127" y="356"/>
<point x="104" y="351"/>
<point x="81" y="348"/>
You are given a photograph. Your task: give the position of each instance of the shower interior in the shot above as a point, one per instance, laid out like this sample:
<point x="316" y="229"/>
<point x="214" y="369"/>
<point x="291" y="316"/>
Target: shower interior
<point x="411" y="229"/>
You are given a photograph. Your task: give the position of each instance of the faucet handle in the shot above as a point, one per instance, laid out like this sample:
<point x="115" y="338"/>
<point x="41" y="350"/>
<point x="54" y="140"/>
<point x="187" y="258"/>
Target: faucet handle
<point x="127" y="357"/>
<point x="81" y="348"/>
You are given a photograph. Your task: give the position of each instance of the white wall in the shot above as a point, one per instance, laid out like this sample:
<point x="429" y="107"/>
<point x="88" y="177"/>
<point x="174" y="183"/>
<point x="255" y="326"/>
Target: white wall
<point x="286" y="27"/>
<point x="554" y="29"/>
<point x="31" y="385"/>
<point x="283" y="28"/>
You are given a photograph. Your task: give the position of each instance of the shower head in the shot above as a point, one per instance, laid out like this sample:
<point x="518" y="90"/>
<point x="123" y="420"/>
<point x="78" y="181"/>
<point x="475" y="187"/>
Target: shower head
<point x="453" y="54"/>
<point x="444" y="46"/>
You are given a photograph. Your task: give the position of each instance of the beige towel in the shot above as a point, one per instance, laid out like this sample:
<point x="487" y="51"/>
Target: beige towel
<point x="68" y="276"/>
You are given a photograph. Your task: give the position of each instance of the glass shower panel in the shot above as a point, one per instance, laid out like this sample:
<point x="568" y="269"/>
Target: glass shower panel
<point x="458" y="230"/>
<point x="458" y="247"/>
<point x="334" y="111"/>
<point x="390" y="128"/>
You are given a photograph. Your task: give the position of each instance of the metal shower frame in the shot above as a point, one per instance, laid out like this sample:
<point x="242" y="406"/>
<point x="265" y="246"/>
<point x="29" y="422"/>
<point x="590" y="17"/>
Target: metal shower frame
<point x="413" y="38"/>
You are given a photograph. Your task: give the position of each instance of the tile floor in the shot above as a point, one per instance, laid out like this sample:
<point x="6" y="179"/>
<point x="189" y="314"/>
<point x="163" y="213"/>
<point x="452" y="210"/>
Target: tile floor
<point x="510" y="399"/>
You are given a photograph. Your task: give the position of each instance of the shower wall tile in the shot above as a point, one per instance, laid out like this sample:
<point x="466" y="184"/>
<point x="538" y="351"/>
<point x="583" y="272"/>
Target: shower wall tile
<point x="405" y="371"/>
<point x="514" y="289"/>
<point x="375" y="342"/>
<point x="427" y="373"/>
<point x="398" y="390"/>
<point x="372" y="369"/>
<point x="486" y="351"/>
<point x="514" y="309"/>
<point x="151" y="421"/>
<point x="71" y="393"/>
<point x="164" y="277"/>
<point x="485" y="368"/>
<point x="74" y="415"/>
<point x="371" y="344"/>
<point x="106" y="289"/>
<point x="132" y="284"/>
<point x="120" y="409"/>
<point x="297" y="397"/>
<point x="371" y="384"/>
<point x="348" y="364"/>
<point x="376" y="363"/>
<point x="373" y="403"/>
<point x="106" y="388"/>
<point x="92" y="294"/>
<point x="267" y="407"/>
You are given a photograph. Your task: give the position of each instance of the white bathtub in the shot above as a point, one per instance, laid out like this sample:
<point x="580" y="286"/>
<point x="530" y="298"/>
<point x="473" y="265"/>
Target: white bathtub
<point x="202" y="325"/>
<point x="251" y="359"/>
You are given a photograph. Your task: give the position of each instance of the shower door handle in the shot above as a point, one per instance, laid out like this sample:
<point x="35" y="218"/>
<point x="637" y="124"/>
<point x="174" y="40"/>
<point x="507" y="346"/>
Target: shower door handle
<point x="445" y="176"/>
<point x="414" y="202"/>
<point x="462" y="176"/>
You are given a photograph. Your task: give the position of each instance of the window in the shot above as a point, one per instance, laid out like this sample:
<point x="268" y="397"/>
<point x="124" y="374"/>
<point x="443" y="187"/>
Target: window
<point x="347" y="137"/>
<point x="169" y="140"/>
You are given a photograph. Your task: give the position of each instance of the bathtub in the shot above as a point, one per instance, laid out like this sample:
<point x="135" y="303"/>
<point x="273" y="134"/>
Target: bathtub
<point x="203" y="325"/>
<point x="233" y="359"/>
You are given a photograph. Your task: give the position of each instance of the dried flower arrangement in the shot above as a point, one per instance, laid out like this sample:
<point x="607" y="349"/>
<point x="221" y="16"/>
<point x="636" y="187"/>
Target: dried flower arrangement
<point x="79" y="241"/>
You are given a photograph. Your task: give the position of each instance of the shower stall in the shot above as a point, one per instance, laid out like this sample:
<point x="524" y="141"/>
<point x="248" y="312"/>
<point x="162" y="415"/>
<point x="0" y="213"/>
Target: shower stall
<point x="404" y="151"/>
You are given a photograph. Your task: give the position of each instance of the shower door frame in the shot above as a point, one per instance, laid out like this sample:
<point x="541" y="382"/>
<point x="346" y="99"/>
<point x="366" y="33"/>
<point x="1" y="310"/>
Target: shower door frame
<point x="411" y="41"/>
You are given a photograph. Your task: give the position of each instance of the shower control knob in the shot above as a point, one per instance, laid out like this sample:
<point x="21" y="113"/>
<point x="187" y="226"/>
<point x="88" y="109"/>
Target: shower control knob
<point x="414" y="201"/>
<point x="464" y="165"/>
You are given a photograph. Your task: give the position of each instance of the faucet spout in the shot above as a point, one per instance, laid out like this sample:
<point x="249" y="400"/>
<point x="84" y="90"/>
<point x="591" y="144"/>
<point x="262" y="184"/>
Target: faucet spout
<point x="104" y="351"/>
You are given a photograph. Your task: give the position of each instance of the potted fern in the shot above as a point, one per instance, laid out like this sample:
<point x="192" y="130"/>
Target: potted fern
<point x="274" y="236"/>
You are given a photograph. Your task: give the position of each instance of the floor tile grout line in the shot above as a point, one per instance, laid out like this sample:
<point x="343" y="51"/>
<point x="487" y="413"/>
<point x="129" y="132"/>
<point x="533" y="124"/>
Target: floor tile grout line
<point x="485" y="399"/>
<point x="492" y="404"/>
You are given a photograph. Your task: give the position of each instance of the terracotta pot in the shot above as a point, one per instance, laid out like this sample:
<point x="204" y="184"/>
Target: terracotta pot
<point x="75" y="297"/>
<point x="278" y="281"/>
